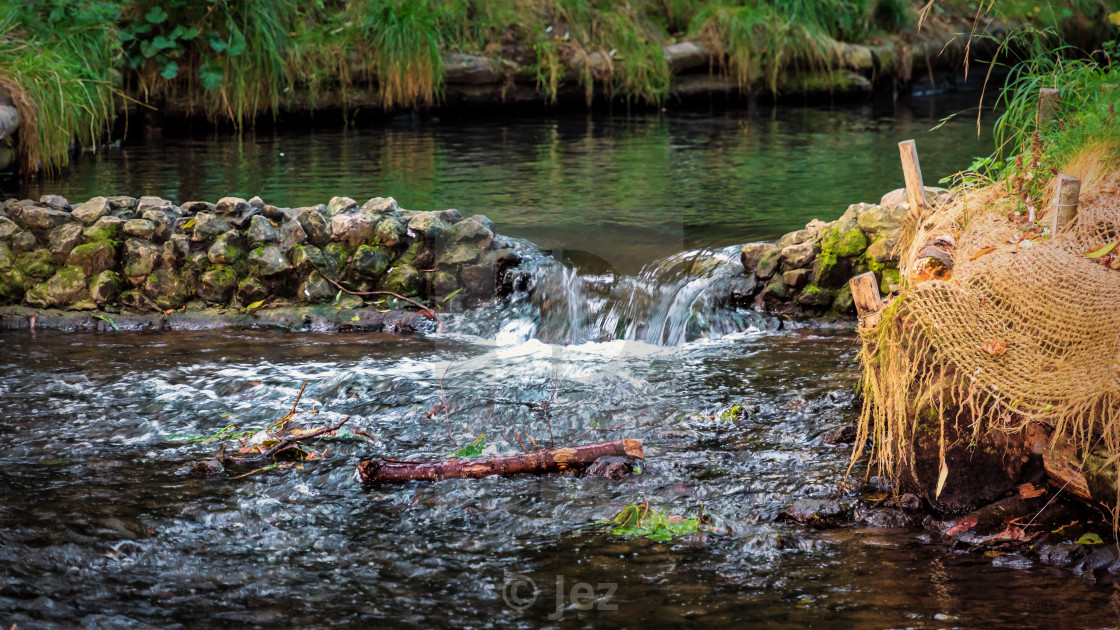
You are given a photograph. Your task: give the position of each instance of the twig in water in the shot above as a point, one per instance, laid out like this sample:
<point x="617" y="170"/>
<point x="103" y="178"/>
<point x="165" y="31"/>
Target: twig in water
<point x="291" y="414"/>
<point x="424" y="310"/>
<point x="287" y="443"/>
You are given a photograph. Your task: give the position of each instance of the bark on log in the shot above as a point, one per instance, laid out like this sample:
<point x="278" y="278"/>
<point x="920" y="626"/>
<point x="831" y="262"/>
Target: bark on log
<point x="537" y="462"/>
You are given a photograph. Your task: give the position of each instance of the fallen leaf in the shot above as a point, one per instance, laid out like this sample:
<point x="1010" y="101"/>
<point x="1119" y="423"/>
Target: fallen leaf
<point x="994" y="346"/>
<point x="169" y="311"/>
<point x="941" y="477"/>
<point x="962" y="525"/>
<point x="1089" y="539"/>
<point x="1102" y="250"/>
<point x="1030" y="491"/>
<point x="254" y="305"/>
<point x="355" y="318"/>
<point x="1012" y="533"/>
<point x="188" y="225"/>
<point x="982" y="252"/>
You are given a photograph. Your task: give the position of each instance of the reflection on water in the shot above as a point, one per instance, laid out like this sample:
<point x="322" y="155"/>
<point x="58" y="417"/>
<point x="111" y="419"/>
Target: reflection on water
<point x="625" y="189"/>
<point x="98" y="531"/>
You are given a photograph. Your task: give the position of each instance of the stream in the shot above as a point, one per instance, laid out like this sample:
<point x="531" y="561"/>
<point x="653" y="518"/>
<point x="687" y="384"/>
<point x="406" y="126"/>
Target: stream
<point x="100" y="528"/>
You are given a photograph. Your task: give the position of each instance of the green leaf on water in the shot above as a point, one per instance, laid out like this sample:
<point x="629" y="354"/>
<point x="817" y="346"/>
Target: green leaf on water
<point x="107" y="320"/>
<point x="474" y="449"/>
<point x="1089" y="539"/>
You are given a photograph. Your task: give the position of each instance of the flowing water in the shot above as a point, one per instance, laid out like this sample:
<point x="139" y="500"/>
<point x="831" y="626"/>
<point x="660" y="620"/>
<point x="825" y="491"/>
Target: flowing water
<point x="100" y="527"/>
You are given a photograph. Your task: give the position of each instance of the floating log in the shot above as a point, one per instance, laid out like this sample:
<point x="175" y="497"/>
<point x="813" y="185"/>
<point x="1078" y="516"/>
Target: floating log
<point x="537" y="462"/>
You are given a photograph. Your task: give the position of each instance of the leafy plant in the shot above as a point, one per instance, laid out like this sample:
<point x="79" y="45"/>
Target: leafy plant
<point x="474" y="449"/>
<point x="649" y="522"/>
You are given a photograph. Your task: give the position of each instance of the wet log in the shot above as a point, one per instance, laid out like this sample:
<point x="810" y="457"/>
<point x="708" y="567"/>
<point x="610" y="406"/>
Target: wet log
<point x="537" y="462"/>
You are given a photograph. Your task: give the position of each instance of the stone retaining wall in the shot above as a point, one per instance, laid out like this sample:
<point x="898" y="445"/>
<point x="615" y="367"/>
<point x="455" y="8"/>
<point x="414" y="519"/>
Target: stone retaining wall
<point x="150" y="255"/>
<point x="806" y="272"/>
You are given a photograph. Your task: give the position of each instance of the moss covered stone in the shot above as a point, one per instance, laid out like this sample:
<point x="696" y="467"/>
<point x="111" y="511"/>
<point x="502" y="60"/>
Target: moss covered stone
<point x="167" y="288"/>
<point x="777" y="288"/>
<point x="369" y="261"/>
<point x="844" y="244"/>
<point x="251" y="290"/>
<point x="13" y="284"/>
<point x="890" y="276"/>
<point x="94" y="258"/>
<point x="38" y="264"/>
<point x="140" y="258"/>
<point x="267" y="262"/>
<point x="66" y="287"/>
<point x="218" y="284"/>
<point x="228" y="248"/>
<point x="458" y="255"/>
<point x="106" y="228"/>
<point x="105" y="287"/>
<point x="337" y="255"/>
<point x="815" y="297"/>
<point x="843" y="302"/>
<point x="7" y="258"/>
<point x="405" y="280"/>
<point x="308" y="258"/>
<point x="768" y="263"/>
<point x="314" y="289"/>
<point x="63" y="239"/>
<point x="391" y="232"/>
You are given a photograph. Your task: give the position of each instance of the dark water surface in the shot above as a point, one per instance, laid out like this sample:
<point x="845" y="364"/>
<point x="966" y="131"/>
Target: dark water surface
<point x="626" y="189"/>
<point x="99" y="531"/>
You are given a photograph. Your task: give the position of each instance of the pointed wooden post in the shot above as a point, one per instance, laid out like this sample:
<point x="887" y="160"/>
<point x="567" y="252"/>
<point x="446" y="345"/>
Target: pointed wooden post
<point x="1047" y="106"/>
<point x="865" y="294"/>
<point x="1065" y="210"/>
<point x="912" y="173"/>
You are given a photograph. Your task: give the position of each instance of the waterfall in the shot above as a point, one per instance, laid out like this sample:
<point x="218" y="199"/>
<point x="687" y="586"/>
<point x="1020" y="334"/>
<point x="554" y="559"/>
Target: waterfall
<point x="681" y="298"/>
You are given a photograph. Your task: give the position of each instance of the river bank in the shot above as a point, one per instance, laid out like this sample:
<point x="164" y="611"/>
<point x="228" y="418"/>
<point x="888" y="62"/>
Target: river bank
<point x="273" y="58"/>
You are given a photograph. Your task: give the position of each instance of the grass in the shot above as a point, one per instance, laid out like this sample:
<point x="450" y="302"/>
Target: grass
<point x="62" y="86"/>
<point x="235" y="60"/>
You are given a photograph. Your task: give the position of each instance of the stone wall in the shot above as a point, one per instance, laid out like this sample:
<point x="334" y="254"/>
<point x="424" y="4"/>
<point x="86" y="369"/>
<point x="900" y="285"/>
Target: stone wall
<point x="149" y="255"/>
<point x="806" y="272"/>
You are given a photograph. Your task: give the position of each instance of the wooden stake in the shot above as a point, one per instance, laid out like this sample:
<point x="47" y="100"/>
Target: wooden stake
<point x="1047" y="106"/>
<point x="865" y="293"/>
<point x="912" y="173"/>
<point x="1065" y="212"/>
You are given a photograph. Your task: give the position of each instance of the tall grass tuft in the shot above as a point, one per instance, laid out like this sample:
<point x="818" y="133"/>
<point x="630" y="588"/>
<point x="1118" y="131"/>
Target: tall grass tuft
<point x="62" y="86"/>
<point x="404" y="37"/>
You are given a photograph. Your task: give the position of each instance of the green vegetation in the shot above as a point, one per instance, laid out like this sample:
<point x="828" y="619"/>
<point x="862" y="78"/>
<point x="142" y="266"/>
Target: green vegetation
<point x="236" y="60"/>
<point x="650" y="522"/>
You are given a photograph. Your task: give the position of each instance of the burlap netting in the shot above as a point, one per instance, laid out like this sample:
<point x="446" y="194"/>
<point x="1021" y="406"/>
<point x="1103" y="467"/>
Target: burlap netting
<point x="1026" y="330"/>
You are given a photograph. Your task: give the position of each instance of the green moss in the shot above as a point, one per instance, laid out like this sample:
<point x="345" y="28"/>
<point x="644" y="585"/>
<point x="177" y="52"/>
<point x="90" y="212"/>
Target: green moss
<point x="889" y="276"/>
<point x="39" y="264"/>
<point x="811" y="289"/>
